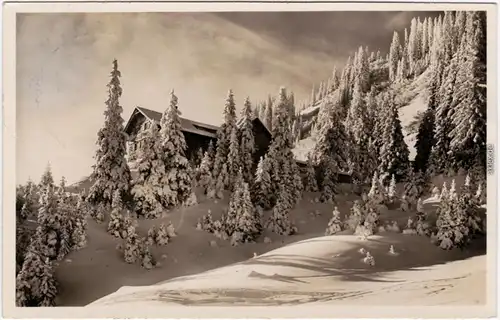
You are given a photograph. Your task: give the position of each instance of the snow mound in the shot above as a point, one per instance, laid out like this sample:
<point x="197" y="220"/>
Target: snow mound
<point x="326" y="270"/>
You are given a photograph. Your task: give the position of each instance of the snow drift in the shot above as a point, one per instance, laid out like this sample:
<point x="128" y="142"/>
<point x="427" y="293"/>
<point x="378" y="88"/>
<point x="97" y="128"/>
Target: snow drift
<point x="325" y="271"/>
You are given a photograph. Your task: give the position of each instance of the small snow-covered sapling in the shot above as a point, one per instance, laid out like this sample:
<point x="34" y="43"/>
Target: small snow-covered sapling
<point x="392" y="251"/>
<point x="369" y="259"/>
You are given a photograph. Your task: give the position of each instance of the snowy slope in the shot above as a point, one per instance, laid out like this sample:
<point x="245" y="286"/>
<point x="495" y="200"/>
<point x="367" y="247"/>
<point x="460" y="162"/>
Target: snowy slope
<point x="407" y="114"/>
<point x="326" y="270"/>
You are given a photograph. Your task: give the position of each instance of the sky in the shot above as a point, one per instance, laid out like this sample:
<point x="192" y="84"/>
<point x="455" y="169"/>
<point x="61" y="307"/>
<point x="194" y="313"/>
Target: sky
<point x="64" y="60"/>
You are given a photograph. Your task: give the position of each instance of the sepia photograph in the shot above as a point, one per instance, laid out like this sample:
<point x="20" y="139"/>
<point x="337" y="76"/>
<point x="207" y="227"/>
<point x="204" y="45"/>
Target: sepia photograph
<point x="288" y="155"/>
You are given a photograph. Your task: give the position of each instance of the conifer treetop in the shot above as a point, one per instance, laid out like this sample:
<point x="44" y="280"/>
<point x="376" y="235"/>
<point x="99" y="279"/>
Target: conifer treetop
<point x="111" y="171"/>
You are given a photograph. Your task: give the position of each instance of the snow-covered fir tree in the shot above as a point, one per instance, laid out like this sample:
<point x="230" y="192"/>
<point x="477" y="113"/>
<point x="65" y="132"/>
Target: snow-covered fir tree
<point x="221" y="182"/>
<point x="356" y="216"/>
<point x="335" y="223"/>
<point x="179" y="174"/>
<point x="458" y="220"/>
<point x="371" y="221"/>
<point x="161" y="236"/>
<point x="248" y="223"/>
<point x="452" y="193"/>
<point x="268" y="116"/>
<point x="394" y="55"/>
<point x="311" y="182"/>
<point x="357" y="123"/>
<point x="115" y="224"/>
<point x="133" y="245"/>
<point x="362" y="67"/>
<point x="30" y="195"/>
<point x="440" y="158"/>
<point x="379" y="116"/>
<point x="233" y="159"/>
<point x="50" y="223"/>
<point x="331" y="154"/>
<point x="151" y="191"/>
<point x="79" y="234"/>
<point x="151" y="236"/>
<point x="391" y="191"/>
<point x="280" y="153"/>
<point x="247" y="141"/>
<point x="468" y="136"/>
<point x="47" y="179"/>
<point x="425" y="135"/>
<point x="480" y="194"/>
<point x="335" y="80"/>
<point x="280" y="222"/>
<point x="36" y="285"/>
<point x="376" y="194"/>
<point x="414" y="45"/>
<point x="211" y="153"/>
<point x="62" y="184"/>
<point x="147" y="259"/>
<point x="444" y="192"/>
<point x="205" y="172"/>
<point x="111" y="171"/>
<point x="229" y="219"/>
<point x="394" y="152"/>
<point x="224" y="135"/>
<point x="261" y="191"/>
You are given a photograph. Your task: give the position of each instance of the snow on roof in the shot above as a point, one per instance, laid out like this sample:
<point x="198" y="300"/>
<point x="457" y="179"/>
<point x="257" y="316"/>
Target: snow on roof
<point x="310" y="110"/>
<point x="187" y="125"/>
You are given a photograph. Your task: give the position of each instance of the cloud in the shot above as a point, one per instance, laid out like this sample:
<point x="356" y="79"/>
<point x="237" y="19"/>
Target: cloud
<point x="64" y="61"/>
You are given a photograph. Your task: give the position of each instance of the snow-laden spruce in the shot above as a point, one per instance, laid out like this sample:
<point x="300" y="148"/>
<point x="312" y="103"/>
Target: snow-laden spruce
<point x="459" y="219"/>
<point x="331" y="154"/>
<point x="178" y="171"/>
<point x="311" y="182"/>
<point x="115" y="224"/>
<point x="79" y="234"/>
<point x="394" y="152"/>
<point x="36" y="285"/>
<point x="233" y="159"/>
<point x="247" y="141"/>
<point x="281" y="168"/>
<point x="151" y="190"/>
<point x="356" y="216"/>
<point x="280" y="221"/>
<point x="247" y="224"/>
<point x="224" y="136"/>
<point x="204" y="172"/>
<point x="111" y="171"/>
<point x="335" y="223"/>
<point x="391" y="190"/>
<point x="394" y="55"/>
<point x="358" y="125"/>
<point x="47" y="178"/>
<point x="376" y="194"/>
<point x="425" y="135"/>
<point x="468" y="136"/>
<point x="133" y="245"/>
<point x="221" y="182"/>
<point x="262" y="185"/>
<point x="50" y="223"/>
